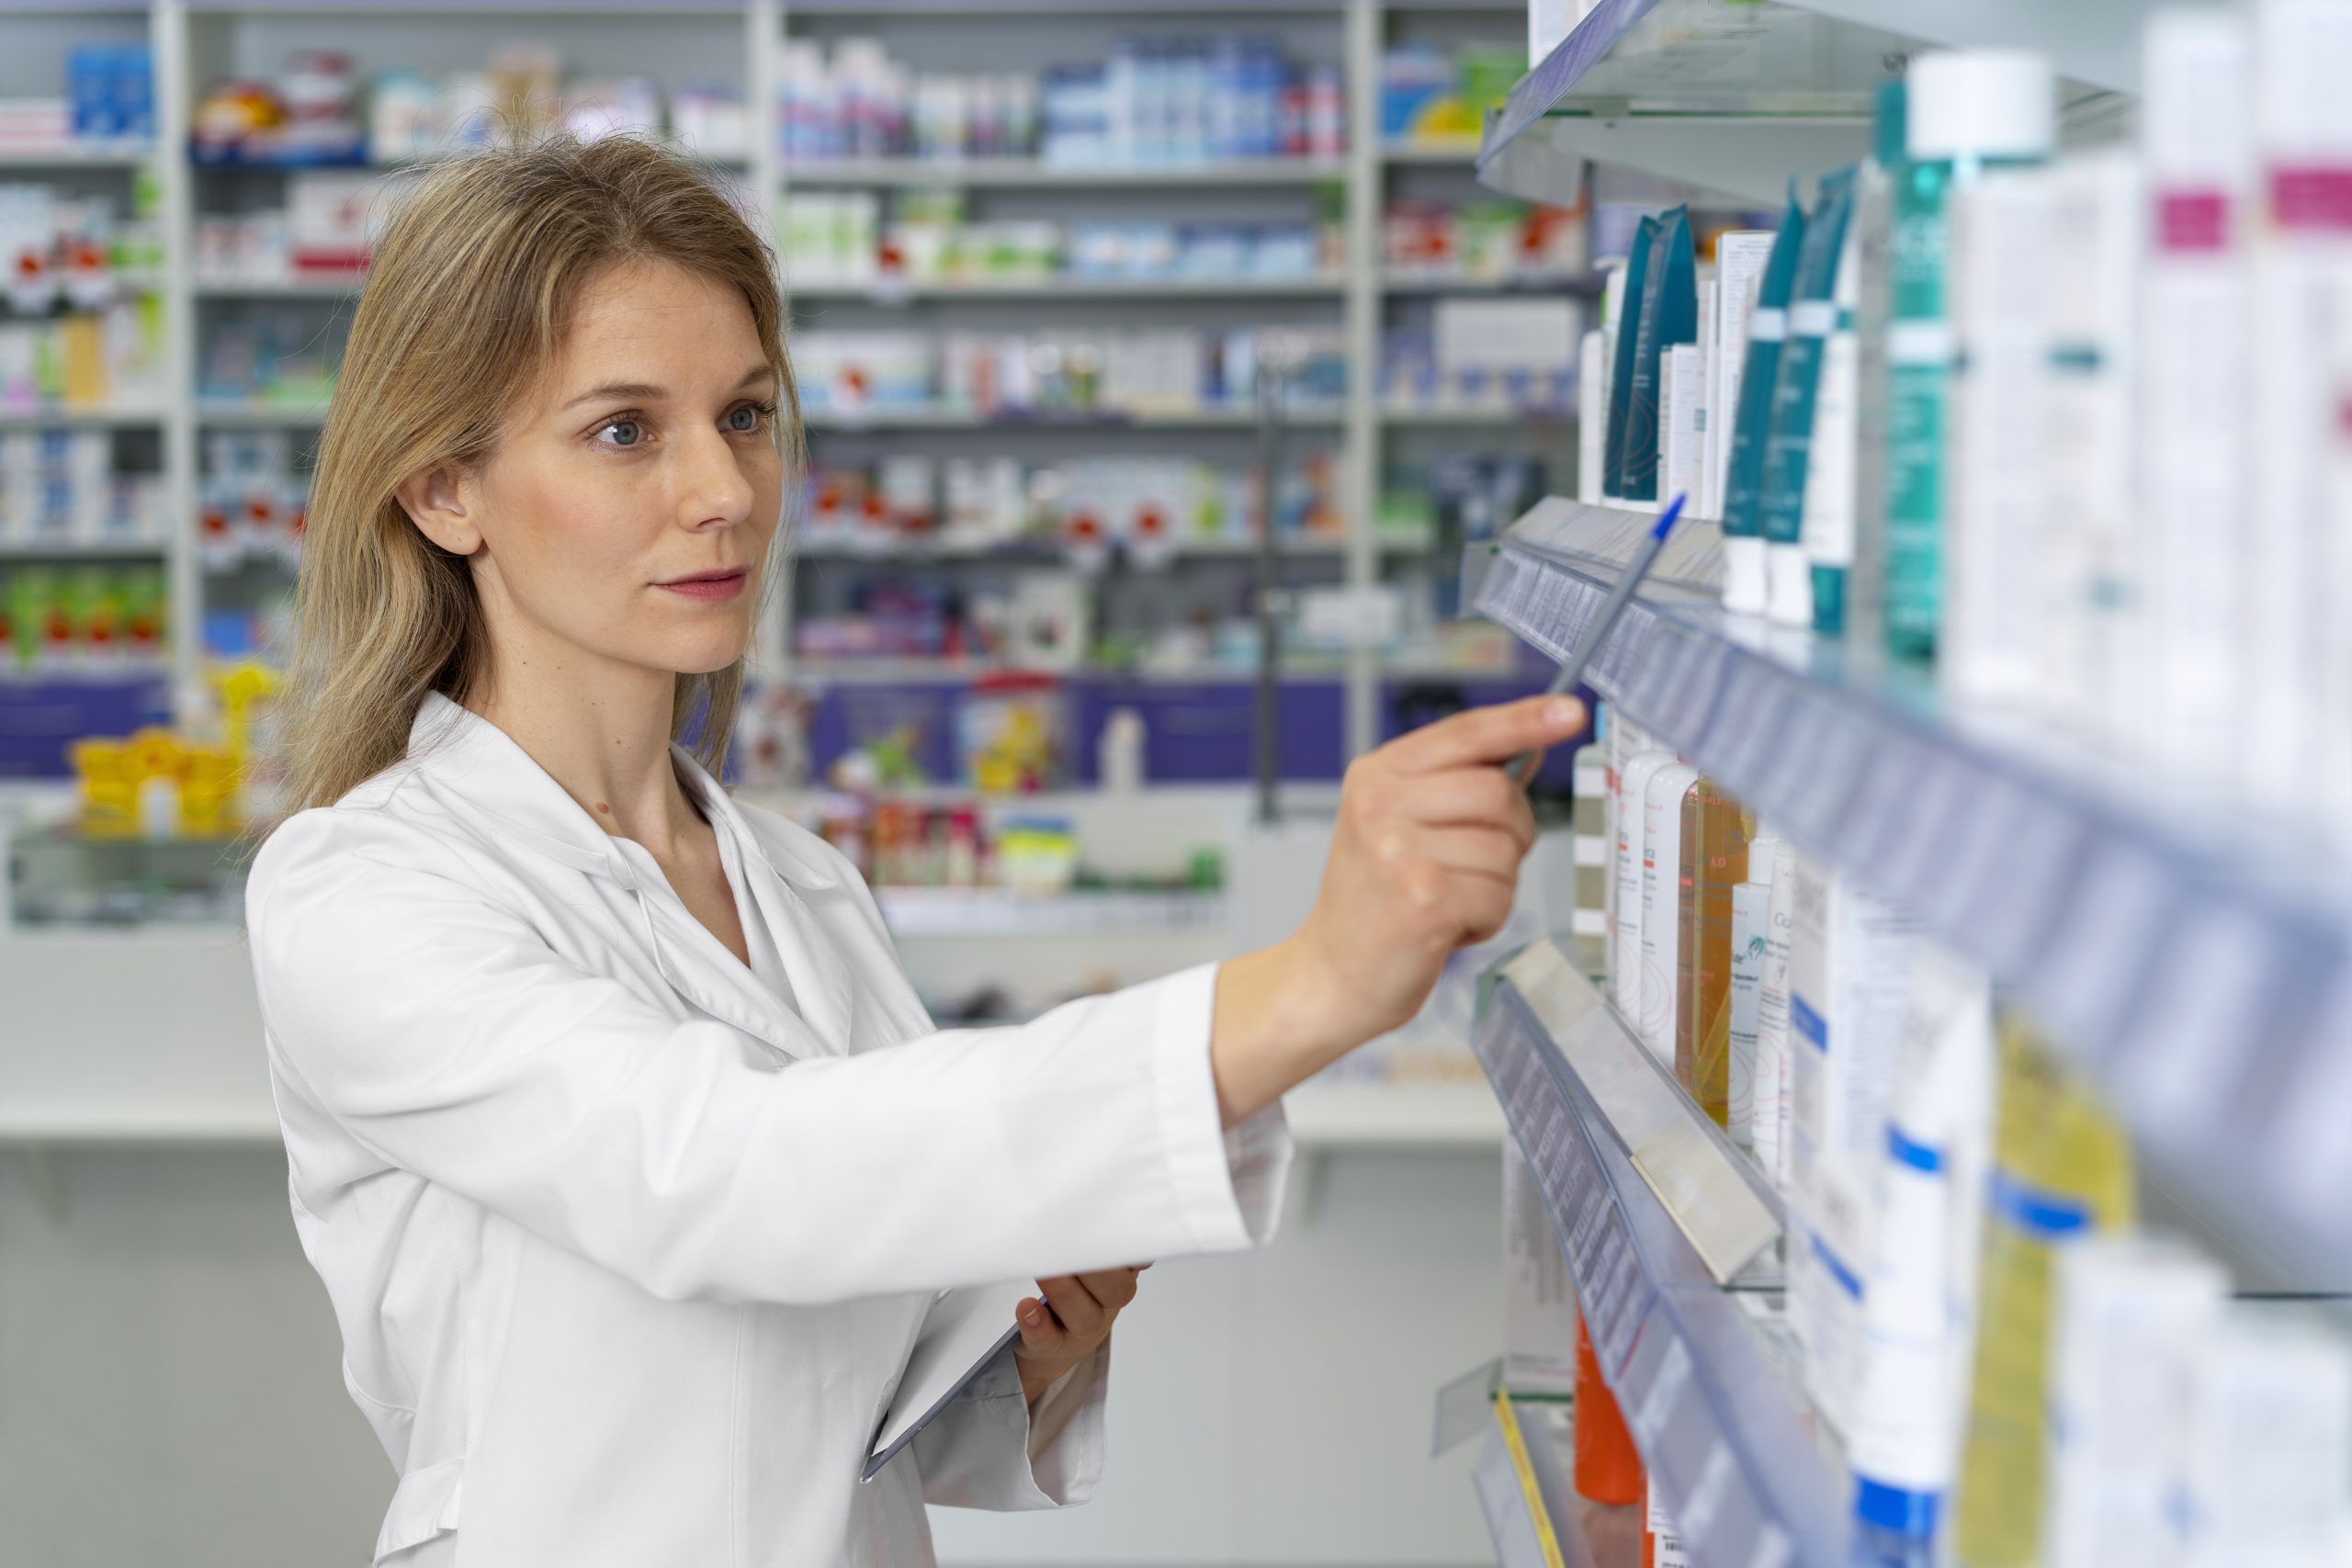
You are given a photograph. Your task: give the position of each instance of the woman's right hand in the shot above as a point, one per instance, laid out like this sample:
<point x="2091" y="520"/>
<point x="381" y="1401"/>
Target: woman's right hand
<point x="1424" y="860"/>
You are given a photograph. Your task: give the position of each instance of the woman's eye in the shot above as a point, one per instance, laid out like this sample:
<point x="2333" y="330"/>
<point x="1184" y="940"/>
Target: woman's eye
<point x="743" y="420"/>
<point x="623" y="432"/>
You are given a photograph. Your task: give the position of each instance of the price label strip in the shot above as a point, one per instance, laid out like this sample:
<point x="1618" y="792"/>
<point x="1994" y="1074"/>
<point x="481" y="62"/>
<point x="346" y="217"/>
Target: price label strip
<point x="1529" y="1490"/>
<point x="1722" y="1458"/>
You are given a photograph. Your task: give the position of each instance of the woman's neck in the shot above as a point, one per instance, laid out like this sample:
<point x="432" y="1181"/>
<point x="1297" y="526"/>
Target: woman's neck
<point x="606" y="739"/>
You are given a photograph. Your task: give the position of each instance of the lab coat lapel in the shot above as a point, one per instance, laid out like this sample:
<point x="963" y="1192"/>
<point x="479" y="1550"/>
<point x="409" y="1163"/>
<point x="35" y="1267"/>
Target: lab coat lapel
<point x="819" y="976"/>
<point x="813" y="966"/>
<point x="468" y="755"/>
<point x="710" y="977"/>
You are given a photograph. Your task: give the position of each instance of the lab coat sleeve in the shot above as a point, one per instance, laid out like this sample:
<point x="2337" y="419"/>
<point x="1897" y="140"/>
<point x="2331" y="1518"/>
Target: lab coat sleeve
<point x="447" y="1038"/>
<point x="987" y="1449"/>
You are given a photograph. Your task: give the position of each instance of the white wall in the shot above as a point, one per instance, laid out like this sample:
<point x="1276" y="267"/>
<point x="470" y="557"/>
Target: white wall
<point x="169" y="1392"/>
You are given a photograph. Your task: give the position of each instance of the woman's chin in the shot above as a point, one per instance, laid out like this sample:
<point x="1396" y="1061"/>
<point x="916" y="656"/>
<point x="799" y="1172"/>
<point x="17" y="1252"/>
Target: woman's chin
<point x="702" y="657"/>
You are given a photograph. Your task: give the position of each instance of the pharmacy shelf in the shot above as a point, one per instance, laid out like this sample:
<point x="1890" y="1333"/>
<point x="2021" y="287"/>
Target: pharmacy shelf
<point x="340" y="287"/>
<point x="1581" y="284"/>
<point x="73" y="156"/>
<point x="1029" y="172"/>
<point x="187" y="33"/>
<point x="1463" y="152"/>
<point x="886" y="672"/>
<point x="2204" y="979"/>
<point x="228" y="1123"/>
<point x="2091" y="41"/>
<point x="1737" y="98"/>
<point x="1436" y="1117"/>
<point x="1722" y="1437"/>
<point x="895" y="292"/>
<point x="1523" y="1488"/>
<point x="912" y="912"/>
<point x="899" y="552"/>
<point x="1472" y="415"/>
<point x="1408" y="1127"/>
<point x="966" y="419"/>
<point x="227" y="414"/>
<point x="82" y="549"/>
<point x="130" y="417"/>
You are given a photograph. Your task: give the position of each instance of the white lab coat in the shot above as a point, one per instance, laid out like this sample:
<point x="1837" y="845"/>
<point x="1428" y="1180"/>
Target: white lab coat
<point x="626" y="1253"/>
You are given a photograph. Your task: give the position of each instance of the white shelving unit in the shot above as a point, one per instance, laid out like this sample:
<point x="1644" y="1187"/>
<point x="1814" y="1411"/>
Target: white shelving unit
<point x="894" y="292"/>
<point x="1028" y="172"/>
<point x="196" y="41"/>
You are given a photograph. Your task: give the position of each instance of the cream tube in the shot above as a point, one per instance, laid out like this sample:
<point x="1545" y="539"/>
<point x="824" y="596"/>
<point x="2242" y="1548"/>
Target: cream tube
<point x="1918" y="1305"/>
<point x="1662" y="904"/>
<point x="1625" y="957"/>
<point x="1772" y="864"/>
<point x="1751" y="917"/>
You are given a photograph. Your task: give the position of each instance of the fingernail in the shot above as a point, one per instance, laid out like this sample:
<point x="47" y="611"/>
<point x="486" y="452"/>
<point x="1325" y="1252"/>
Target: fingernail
<point x="1029" y="1313"/>
<point x="1563" y="711"/>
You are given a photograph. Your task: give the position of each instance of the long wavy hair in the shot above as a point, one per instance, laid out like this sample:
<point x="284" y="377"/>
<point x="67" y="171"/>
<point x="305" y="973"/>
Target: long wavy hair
<point x="468" y="298"/>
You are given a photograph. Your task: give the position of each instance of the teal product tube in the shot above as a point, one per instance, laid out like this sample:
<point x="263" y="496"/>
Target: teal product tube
<point x="1768" y="326"/>
<point x="1621" y="373"/>
<point x="1670" y="317"/>
<point x="1970" y="113"/>
<point x="1848" y="595"/>
<point x="1788" y="441"/>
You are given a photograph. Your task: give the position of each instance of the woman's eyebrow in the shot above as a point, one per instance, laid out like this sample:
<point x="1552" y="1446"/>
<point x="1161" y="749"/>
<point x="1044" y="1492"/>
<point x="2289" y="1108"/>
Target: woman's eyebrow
<point x="646" y="392"/>
<point x="620" y="391"/>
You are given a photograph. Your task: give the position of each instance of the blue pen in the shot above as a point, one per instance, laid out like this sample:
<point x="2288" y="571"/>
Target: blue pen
<point x="1522" y="768"/>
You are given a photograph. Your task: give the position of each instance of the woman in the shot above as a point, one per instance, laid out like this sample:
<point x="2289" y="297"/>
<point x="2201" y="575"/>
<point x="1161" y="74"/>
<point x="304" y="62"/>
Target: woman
<point x="629" y="1158"/>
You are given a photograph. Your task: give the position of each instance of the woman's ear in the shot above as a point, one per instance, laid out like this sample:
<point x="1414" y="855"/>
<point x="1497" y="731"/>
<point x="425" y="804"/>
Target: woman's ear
<point x="437" y="501"/>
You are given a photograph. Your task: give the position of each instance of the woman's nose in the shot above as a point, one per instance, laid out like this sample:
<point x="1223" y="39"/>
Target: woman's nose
<point x="713" y="491"/>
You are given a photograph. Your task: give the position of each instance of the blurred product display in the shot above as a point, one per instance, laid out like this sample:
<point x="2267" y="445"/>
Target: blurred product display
<point x="1152" y="102"/>
<point x="60" y="489"/>
<point x="317" y="110"/>
<point x="844" y="239"/>
<point x="1432" y="98"/>
<point x="106" y="104"/>
<point x="1482" y="242"/>
<point x="85" y="620"/>
<point x="1144" y="505"/>
<point x="1137" y="372"/>
<point x="1141" y="415"/>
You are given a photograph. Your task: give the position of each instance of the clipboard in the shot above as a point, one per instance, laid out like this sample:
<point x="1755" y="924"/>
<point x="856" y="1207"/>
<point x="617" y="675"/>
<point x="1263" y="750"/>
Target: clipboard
<point x="964" y="1332"/>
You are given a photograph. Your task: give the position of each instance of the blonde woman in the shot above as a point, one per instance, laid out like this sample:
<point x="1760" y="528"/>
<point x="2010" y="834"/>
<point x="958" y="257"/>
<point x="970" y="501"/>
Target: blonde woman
<point x="630" y="1160"/>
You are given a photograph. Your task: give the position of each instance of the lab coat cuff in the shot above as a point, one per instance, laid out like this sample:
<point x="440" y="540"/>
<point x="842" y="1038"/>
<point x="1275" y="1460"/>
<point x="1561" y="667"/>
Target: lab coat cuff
<point x="989" y="1450"/>
<point x="1228" y="1180"/>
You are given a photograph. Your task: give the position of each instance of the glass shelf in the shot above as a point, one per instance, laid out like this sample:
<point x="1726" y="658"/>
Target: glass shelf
<point x="1721" y="1433"/>
<point x="1736" y="98"/>
<point x="2203" y="978"/>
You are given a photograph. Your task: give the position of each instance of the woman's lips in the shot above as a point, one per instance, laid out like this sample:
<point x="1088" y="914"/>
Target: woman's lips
<point x="709" y="589"/>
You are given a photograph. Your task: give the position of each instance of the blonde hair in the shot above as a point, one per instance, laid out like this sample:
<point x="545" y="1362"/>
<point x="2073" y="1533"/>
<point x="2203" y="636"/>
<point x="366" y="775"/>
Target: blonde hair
<point x="467" y="301"/>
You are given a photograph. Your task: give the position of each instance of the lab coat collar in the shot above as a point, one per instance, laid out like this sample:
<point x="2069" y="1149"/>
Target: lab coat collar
<point x="465" y="753"/>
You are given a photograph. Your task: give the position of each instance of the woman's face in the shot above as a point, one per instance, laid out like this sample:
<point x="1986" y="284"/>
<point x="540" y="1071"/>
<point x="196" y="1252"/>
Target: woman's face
<point x="626" y="514"/>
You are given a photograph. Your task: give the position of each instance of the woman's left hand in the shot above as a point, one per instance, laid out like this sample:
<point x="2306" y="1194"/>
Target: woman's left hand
<point x="1062" y="1329"/>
